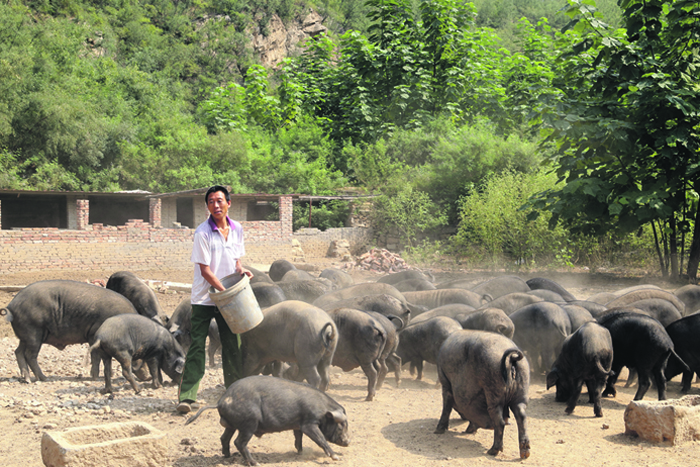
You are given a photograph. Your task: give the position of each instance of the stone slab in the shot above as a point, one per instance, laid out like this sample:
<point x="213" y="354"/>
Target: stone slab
<point x="673" y="421"/>
<point x="127" y="444"/>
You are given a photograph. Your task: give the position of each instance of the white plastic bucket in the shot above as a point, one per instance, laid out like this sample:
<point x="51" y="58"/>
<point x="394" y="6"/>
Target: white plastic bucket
<point x="237" y="303"/>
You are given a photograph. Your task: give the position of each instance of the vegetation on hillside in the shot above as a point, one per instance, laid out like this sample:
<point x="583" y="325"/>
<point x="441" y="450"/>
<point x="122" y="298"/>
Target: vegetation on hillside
<point x="439" y="107"/>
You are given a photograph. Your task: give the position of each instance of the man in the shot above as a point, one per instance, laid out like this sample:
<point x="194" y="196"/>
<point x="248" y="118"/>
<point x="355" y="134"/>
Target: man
<point x="217" y="251"/>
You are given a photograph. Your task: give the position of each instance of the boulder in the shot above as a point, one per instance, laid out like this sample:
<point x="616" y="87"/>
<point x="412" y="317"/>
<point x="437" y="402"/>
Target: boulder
<point x="673" y="421"/>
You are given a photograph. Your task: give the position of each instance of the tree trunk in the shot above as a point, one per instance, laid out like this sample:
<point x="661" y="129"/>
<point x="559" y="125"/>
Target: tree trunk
<point x="673" y="247"/>
<point x="694" y="254"/>
<point x="664" y="273"/>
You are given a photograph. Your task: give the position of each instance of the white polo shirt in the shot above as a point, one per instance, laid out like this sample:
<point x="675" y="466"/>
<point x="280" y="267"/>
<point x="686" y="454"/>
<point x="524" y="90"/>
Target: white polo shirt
<point x="220" y="254"/>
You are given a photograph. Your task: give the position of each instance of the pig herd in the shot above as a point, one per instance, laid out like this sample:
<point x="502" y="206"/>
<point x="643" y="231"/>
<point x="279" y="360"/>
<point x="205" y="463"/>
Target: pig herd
<point x="487" y="340"/>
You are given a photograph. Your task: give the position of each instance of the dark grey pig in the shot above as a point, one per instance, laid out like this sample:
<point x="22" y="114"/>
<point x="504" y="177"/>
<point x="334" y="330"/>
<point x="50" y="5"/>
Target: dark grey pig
<point x="489" y="319"/>
<point x="381" y="303"/>
<point x="396" y="277"/>
<point x="586" y="357"/>
<point x="279" y="268"/>
<point x="59" y="313"/>
<point x="267" y="293"/>
<point x="685" y="334"/>
<point x="258" y="405"/>
<point x="361" y="342"/>
<point x="139" y="294"/>
<point x="413" y="285"/>
<point x="513" y="302"/>
<point x="435" y="298"/>
<point x="389" y="358"/>
<point x="539" y="283"/>
<point x="452" y="310"/>
<point x="421" y="341"/>
<point x="306" y="290"/>
<point x="294" y="332"/>
<point x="483" y="376"/>
<point x="338" y="277"/>
<point x="180" y="326"/>
<point x="132" y="337"/>
<point x="499" y="286"/>
<point x="540" y="330"/>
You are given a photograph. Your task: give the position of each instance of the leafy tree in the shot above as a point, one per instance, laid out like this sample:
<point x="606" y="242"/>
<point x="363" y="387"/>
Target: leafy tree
<point x="626" y="123"/>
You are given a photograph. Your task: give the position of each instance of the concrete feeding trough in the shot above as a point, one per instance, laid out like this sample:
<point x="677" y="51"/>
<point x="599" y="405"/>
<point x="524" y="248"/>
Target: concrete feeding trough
<point x="673" y="421"/>
<point x="128" y="444"/>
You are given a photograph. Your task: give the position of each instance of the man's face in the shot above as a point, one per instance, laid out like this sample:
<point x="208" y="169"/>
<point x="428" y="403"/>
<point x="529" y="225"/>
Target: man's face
<point x="217" y="205"/>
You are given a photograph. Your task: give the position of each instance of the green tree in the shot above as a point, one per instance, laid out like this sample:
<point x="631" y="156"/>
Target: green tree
<point x="625" y="123"/>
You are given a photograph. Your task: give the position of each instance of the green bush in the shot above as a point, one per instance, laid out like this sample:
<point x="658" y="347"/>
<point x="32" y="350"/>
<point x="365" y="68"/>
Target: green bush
<point x="324" y="215"/>
<point x="494" y="229"/>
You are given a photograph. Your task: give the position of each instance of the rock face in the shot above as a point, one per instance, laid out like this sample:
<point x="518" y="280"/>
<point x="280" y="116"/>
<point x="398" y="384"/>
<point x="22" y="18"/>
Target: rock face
<point x="672" y="421"/>
<point x="280" y="41"/>
<point x="128" y="444"/>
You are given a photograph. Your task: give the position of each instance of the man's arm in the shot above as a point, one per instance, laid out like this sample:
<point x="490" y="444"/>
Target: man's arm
<point x="209" y="276"/>
<point x="242" y="270"/>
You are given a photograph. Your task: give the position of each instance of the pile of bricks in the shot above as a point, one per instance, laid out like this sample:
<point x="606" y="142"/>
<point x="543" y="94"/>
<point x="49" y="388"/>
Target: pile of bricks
<point x="381" y="260"/>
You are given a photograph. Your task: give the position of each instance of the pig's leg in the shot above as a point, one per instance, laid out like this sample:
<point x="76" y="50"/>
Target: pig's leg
<point x="382" y="371"/>
<point x="520" y="418"/>
<point x="95" y="367"/>
<point x="241" y="443"/>
<point x="156" y="375"/>
<point x="643" y="383"/>
<point x="419" y="367"/>
<point x="371" y="373"/>
<point x="31" y="352"/>
<point x="323" y="368"/>
<point x="573" y="398"/>
<point x="612" y="379"/>
<point x="226" y="440"/>
<point x="125" y="362"/>
<point x="107" y="362"/>
<point x="313" y="432"/>
<point x="499" y="425"/>
<point x="447" y="404"/>
<point x="394" y="362"/>
<point x="297" y="440"/>
<point x="22" y="362"/>
<point x="659" y="378"/>
<point x="310" y="373"/>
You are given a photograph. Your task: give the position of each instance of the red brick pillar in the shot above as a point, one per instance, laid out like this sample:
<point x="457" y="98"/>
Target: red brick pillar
<point x="83" y="213"/>
<point x="154" y="208"/>
<point x="286" y="216"/>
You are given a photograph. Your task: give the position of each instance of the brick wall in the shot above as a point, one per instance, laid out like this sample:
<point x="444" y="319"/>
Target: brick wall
<point x="138" y="246"/>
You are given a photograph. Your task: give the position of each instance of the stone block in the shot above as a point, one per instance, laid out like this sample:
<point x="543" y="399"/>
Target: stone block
<point x="128" y="444"/>
<point x="673" y="421"/>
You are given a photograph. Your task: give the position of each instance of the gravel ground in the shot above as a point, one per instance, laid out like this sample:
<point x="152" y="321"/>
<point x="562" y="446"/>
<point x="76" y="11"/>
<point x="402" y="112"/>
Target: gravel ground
<point x="395" y="429"/>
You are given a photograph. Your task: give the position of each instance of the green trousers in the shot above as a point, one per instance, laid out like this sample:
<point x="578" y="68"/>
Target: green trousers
<point x="231" y="355"/>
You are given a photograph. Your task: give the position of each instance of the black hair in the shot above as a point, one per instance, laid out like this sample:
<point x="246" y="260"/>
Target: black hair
<point x="214" y="189"/>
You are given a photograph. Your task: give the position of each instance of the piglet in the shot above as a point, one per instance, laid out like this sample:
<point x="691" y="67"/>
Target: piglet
<point x="257" y="405"/>
<point x="130" y="337"/>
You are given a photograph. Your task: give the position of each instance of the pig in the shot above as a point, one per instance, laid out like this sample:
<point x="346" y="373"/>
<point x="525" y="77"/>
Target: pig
<point x="499" y="286"/>
<point x="304" y="290"/>
<point x="439" y="297"/>
<point x="59" y="313"/>
<point x="268" y="294"/>
<point x="513" y="302"/>
<point x="578" y="315"/>
<point x="690" y="296"/>
<point x="540" y="330"/>
<point x="338" y="277"/>
<point x="180" y="326"/>
<point x="258" y="405"/>
<point x="361" y="290"/>
<point x="641" y="343"/>
<point x="488" y="319"/>
<point x="586" y="357"/>
<point x="279" y="268"/>
<point x="139" y="294"/>
<point x="539" y="283"/>
<point x="258" y="275"/>
<point x="413" y="285"/>
<point x="684" y="333"/>
<point x="483" y="376"/>
<point x="129" y="337"/>
<point x="361" y="342"/>
<point x="421" y="341"/>
<point x="392" y="325"/>
<point x="296" y="275"/>
<point x="292" y="331"/>
<point x="662" y="310"/>
<point x="381" y="303"/>
<point x="396" y="277"/>
<point x="452" y="310"/>
<point x="643" y="294"/>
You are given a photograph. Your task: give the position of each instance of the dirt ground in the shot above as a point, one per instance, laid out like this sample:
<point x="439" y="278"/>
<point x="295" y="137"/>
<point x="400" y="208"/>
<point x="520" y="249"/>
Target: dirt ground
<point x="393" y="430"/>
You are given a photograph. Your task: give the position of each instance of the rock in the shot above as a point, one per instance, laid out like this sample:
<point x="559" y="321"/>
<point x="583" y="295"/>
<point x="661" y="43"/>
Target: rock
<point x="673" y="421"/>
<point x="339" y="249"/>
<point x="129" y="444"/>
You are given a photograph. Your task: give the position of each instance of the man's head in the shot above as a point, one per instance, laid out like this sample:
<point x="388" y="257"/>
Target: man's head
<point x="214" y="189"/>
<point x="218" y="202"/>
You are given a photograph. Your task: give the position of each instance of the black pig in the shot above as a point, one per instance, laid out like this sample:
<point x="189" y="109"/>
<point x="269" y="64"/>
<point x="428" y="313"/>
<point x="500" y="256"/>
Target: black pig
<point x="257" y="405"/>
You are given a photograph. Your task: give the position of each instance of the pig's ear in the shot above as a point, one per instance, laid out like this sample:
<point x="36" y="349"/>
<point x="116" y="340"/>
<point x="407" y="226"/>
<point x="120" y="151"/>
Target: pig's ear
<point x="552" y="378"/>
<point x="337" y="416"/>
